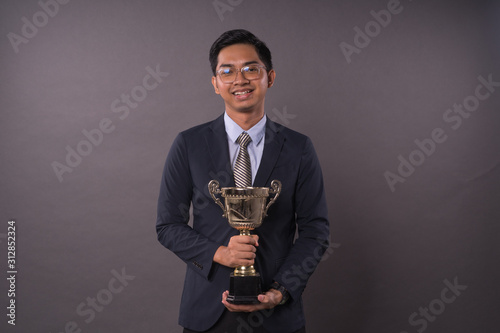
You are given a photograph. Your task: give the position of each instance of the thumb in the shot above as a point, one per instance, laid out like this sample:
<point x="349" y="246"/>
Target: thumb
<point x="263" y="298"/>
<point x="256" y="238"/>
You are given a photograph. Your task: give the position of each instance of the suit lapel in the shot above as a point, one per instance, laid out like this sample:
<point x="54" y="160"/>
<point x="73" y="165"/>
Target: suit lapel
<point x="216" y="143"/>
<point x="272" y="148"/>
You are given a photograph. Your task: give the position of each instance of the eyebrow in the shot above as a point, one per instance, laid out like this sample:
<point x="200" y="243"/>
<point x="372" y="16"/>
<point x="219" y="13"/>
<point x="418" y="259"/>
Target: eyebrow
<point x="245" y="64"/>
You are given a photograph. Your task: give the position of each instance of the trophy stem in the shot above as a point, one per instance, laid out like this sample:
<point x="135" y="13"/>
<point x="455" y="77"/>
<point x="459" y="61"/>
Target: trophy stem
<point x="245" y="232"/>
<point x="245" y="270"/>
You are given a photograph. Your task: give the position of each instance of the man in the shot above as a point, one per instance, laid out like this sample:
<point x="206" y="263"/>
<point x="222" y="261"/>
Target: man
<point x="243" y="72"/>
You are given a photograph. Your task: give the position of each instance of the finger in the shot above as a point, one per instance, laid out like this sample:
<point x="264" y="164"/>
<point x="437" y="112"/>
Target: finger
<point x="241" y="247"/>
<point x="228" y="305"/>
<point x="243" y="239"/>
<point x="234" y="307"/>
<point x="244" y="262"/>
<point x="240" y="239"/>
<point x="243" y="308"/>
<point x="225" y="294"/>
<point x="256" y="238"/>
<point x="246" y="248"/>
<point x="267" y="299"/>
<point x="270" y="298"/>
<point x="249" y="256"/>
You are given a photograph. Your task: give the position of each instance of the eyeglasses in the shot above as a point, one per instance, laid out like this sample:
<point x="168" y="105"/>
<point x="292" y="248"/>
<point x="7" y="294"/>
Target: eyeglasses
<point x="229" y="74"/>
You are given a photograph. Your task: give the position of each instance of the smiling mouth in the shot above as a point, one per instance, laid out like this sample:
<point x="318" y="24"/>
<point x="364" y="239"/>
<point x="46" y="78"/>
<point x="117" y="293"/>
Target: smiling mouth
<point x="241" y="93"/>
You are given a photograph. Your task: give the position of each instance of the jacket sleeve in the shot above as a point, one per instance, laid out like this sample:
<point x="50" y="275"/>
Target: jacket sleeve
<point x="176" y="191"/>
<point x="312" y="222"/>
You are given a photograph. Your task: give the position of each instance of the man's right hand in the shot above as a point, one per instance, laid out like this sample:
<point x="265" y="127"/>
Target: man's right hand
<point x="240" y="251"/>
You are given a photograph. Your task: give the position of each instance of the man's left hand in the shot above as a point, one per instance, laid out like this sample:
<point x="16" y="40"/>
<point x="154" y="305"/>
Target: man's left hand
<point x="267" y="301"/>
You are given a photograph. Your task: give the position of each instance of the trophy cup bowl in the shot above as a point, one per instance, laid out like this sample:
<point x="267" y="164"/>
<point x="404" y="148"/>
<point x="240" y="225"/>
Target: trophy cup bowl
<point x="244" y="208"/>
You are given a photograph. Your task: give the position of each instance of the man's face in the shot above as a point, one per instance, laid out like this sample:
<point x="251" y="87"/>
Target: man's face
<point x="242" y="95"/>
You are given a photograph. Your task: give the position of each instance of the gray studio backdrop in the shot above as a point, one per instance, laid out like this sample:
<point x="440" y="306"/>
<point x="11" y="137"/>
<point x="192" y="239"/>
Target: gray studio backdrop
<point x="401" y="99"/>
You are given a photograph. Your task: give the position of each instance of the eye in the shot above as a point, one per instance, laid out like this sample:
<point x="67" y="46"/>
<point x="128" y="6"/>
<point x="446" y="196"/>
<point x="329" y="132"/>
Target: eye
<point x="251" y="69"/>
<point x="226" y="71"/>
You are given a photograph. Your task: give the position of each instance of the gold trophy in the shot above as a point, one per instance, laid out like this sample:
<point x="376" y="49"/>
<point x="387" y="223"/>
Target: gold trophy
<point x="245" y="207"/>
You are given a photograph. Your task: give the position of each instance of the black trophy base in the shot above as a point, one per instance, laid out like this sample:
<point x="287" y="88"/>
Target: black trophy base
<point x="244" y="289"/>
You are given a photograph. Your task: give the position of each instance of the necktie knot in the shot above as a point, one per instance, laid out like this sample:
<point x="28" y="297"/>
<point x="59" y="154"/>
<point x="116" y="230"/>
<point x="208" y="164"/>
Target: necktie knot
<point x="244" y="139"/>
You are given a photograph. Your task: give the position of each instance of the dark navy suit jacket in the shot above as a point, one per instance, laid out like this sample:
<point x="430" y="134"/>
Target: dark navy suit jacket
<point x="201" y="154"/>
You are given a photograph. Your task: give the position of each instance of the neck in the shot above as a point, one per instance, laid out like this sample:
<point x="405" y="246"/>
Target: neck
<point x="245" y="120"/>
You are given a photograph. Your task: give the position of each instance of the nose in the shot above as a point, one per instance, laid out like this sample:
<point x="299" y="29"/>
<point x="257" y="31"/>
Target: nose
<point x="240" y="77"/>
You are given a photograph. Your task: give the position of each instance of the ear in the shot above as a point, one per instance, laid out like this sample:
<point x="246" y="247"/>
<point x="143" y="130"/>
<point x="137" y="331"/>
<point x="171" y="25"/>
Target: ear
<point x="214" y="83"/>
<point x="271" y="76"/>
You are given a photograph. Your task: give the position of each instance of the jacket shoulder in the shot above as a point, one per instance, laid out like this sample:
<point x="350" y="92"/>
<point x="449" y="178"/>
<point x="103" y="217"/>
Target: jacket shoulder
<point x="195" y="130"/>
<point x="287" y="133"/>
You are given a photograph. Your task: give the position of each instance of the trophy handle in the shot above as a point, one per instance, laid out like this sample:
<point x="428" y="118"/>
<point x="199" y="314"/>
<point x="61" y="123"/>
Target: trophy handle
<point x="213" y="189"/>
<point x="275" y="189"/>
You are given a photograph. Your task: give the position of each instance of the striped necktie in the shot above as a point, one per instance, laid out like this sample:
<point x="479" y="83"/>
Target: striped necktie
<point x="242" y="169"/>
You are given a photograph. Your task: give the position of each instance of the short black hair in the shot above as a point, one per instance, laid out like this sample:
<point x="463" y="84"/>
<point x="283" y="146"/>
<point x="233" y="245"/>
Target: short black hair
<point x="239" y="36"/>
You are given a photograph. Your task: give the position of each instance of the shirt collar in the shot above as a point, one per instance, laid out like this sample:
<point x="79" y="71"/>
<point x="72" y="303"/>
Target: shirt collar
<point x="233" y="130"/>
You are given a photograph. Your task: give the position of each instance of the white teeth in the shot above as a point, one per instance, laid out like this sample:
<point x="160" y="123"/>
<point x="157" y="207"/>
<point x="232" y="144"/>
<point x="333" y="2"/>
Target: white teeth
<point x="242" y="92"/>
